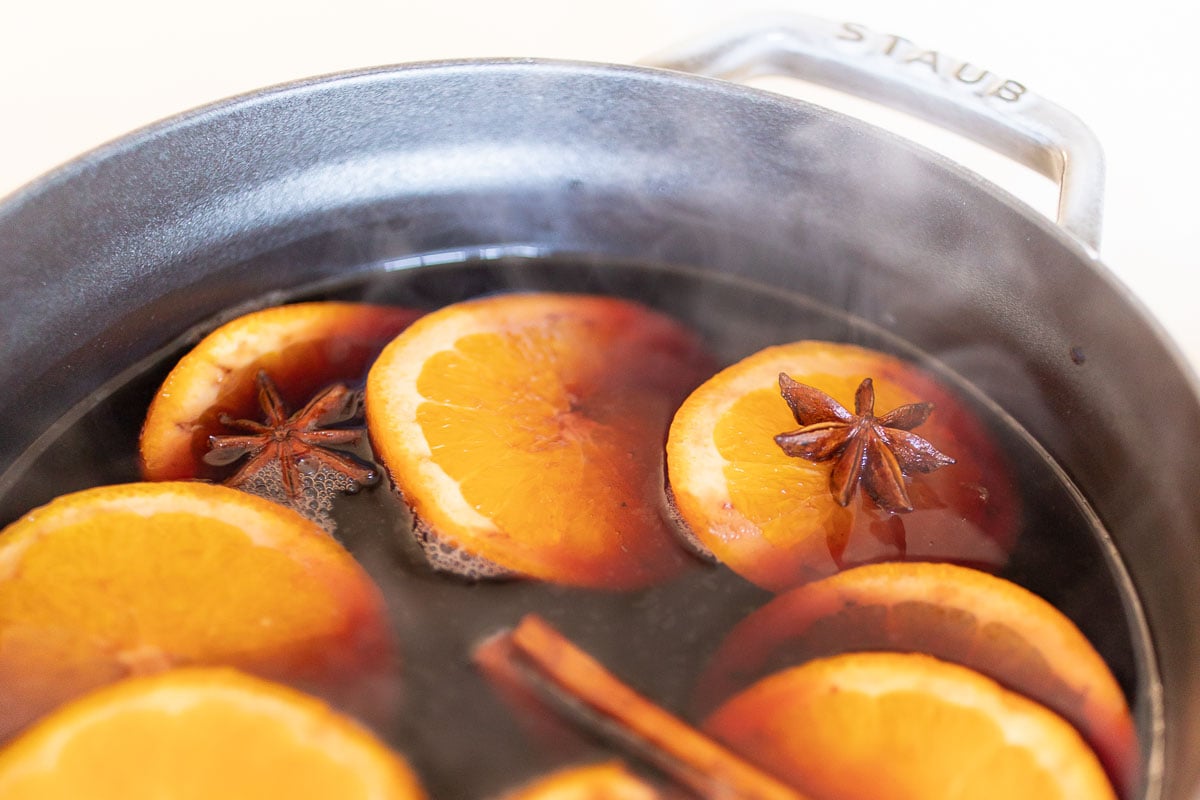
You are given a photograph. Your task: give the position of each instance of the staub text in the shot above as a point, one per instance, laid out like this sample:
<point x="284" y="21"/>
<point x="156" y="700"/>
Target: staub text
<point x="982" y="81"/>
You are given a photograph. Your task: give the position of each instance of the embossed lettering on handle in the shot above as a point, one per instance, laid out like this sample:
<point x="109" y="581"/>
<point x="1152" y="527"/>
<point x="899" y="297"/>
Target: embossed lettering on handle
<point x="984" y="82"/>
<point x="995" y="110"/>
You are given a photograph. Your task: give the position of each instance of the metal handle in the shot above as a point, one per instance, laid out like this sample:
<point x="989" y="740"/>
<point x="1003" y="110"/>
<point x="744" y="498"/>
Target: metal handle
<point x="998" y="112"/>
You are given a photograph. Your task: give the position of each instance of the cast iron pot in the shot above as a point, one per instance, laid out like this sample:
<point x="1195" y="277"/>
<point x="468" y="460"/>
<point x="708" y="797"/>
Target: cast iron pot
<point x="111" y="257"/>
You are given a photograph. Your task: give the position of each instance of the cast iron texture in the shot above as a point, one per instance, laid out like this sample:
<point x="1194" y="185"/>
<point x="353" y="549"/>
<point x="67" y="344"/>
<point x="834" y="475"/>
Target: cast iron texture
<point x="111" y="257"/>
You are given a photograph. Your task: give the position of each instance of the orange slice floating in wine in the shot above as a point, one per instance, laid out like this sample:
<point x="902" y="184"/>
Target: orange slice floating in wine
<point x="526" y="431"/>
<point x="136" y="578"/>
<point x="773" y="517"/>
<point x="201" y="732"/>
<point x="953" y="613"/>
<point x="303" y="348"/>
<point x="610" y="780"/>
<point x="906" y="726"/>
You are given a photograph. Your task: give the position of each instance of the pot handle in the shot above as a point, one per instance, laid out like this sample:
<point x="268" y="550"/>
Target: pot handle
<point x="999" y="113"/>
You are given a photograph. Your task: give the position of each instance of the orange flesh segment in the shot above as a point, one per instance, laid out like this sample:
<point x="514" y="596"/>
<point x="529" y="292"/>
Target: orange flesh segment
<point x="127" y="579"/>
<point x="903" y="726"/>
<point x="528" y="429"/>
<point x="760" y="476"/>
<point x="303" y="347"/>
<point x="953" y="613"/>
<point x="607" y="781"/>
<point x="773" y="519"/>
<point x="201" y="733"/>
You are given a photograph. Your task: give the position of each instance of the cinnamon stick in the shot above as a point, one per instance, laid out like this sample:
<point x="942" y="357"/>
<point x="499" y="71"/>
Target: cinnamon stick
<point x="541" y="656"/>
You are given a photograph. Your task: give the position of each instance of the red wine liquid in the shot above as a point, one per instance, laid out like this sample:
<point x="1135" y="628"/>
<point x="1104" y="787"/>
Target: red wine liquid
<point x="461" y="737"/>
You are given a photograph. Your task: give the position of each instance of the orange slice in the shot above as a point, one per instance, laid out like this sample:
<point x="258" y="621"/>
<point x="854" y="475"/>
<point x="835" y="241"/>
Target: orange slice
<point x="526" y="431"/>
<point x="302" y="347"/>
<point x="199" y="733"/>
<point x="953" y="613"/>
<point x="607" y="781"/>
<point x="773" y="519"/>
<point x="118" y="580"/>
<point x="905" y="726"/>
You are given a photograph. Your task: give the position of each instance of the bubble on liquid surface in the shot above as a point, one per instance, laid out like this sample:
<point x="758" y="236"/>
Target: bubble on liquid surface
<point x="319" y="486"/>
<point x="446" y="556"/>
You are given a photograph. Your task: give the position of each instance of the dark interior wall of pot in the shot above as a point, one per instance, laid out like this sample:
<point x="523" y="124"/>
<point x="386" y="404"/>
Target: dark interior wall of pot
<point x="111" y="258"/>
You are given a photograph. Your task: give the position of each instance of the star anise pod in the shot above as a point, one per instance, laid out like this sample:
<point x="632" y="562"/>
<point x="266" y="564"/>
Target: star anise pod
<point x="878" y="451"/>
<point x="300" y="442"/>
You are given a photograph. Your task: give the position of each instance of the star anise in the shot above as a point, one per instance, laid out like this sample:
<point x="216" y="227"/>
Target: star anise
<point x="878" y="451"/>
<point x="300" y="442"/>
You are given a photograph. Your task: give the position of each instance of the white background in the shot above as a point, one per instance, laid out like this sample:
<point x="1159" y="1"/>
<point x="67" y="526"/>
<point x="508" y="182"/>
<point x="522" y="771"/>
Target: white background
<point x="74" y="75"/>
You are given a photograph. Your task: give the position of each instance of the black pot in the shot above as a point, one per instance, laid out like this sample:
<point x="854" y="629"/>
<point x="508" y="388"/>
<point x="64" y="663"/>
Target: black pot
<point x="110" y="258"/>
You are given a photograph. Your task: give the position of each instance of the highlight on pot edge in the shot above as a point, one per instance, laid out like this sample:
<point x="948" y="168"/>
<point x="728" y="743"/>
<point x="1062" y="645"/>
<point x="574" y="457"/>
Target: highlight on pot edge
<point x="423" y="532"/>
